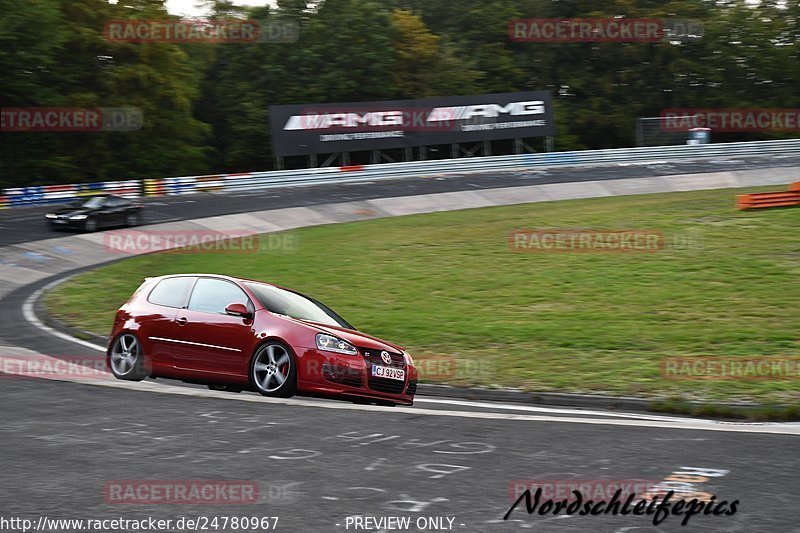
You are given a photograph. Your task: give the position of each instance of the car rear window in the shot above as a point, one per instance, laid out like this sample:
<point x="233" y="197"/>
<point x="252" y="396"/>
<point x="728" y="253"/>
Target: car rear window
<point x="171" y="292"/>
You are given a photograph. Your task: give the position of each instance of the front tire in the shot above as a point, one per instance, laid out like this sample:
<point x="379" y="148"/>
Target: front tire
<point x="90" y="225"/>
<point x="273" y="370"/>
<point x="126" y="359"/>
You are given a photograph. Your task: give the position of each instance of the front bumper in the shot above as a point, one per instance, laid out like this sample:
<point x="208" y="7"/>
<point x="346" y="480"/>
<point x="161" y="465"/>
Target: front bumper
<point x="331" y="374"/>
<point x="56" y="223"/>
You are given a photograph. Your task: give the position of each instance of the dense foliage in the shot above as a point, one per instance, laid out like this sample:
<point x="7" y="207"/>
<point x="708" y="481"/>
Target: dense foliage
<point x="206" y="106"/>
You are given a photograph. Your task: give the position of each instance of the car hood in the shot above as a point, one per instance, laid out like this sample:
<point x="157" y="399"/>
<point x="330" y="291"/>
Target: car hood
<point x="356" y="338"/>
<point x="71" y="211"/>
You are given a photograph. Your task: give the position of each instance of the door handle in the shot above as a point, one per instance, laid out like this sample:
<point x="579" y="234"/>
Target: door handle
<point x="181" y="321"/>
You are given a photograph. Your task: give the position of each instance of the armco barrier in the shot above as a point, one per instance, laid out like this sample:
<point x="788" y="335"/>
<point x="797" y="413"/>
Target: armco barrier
<point x="59" y="194"/>
<point x="154" y="188"/>
<point x="315" y="176"/>
<point x="210" y="183"/>
<point x="183" y="185"/>
<point x="126" y="189"/>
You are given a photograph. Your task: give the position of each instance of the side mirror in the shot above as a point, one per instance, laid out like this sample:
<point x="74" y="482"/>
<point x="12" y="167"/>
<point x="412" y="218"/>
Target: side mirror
<point x="238" y="310"/>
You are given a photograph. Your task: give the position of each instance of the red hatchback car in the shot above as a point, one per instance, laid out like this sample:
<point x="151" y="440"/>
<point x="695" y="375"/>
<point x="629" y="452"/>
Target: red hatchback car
<point x="234" y="334"/>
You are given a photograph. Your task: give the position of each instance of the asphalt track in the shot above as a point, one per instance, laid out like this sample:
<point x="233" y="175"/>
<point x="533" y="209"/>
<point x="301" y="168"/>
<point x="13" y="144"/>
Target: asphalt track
<point x="317" y="462"/>
<point x="315" y="467"/>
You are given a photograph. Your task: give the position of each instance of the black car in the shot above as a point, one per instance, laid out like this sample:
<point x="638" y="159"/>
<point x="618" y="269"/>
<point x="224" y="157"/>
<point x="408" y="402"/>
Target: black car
<point x="96" y="212"/>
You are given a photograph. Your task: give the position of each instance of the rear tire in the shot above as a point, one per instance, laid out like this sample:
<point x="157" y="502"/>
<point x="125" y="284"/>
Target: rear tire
<point x="125" y="358"/>
<point x="273" y="370"/>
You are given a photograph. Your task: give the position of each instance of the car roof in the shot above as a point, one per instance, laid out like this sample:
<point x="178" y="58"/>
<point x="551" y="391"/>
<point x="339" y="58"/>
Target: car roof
<point x="220" y="276"/>
<point x="102" y="195"/>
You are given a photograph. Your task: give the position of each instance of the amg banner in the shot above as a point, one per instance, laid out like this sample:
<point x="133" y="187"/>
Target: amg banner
<point x="354" y="126"/>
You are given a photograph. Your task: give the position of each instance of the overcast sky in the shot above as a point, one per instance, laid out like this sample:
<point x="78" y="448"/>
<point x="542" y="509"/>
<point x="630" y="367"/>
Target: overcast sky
<point x="187" y="7"/>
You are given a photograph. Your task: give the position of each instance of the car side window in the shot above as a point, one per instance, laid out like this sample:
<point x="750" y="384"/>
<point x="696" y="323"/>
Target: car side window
<point x="171" y="292"/>
<point x="214" y="295"/>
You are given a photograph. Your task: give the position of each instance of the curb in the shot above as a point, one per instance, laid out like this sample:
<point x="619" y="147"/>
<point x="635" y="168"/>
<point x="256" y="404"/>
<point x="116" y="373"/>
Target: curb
<point x="538" y="398"/>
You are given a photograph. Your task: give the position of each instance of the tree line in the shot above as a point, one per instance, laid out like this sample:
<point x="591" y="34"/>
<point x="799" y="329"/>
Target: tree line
<point x="206" y="106"/>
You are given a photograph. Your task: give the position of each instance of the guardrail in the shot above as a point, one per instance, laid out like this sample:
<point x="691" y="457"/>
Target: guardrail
<point x="59" y="194"/>
<point x="315" y="176"/>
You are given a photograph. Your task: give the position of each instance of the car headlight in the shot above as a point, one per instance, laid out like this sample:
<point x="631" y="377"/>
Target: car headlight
<point x="329" y="343"/>
<point x="51" y="215"/>
<point x="409" y="360"/>
<point x="78" y="217"/>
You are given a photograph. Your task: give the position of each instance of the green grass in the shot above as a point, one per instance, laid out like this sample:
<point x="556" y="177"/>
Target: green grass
<point x="447" y="283"/>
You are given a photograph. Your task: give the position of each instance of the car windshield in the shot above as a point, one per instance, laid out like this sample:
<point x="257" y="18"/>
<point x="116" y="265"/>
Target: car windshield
<point x="93" y="202"/>
<point x="295" y="305"/>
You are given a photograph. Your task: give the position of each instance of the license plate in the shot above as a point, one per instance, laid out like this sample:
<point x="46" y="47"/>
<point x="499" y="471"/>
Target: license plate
<point x="59" y="221"/>
<point x="388" y="372"/>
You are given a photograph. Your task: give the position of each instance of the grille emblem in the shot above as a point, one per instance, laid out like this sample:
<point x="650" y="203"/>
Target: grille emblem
<point x="386" y="358"/>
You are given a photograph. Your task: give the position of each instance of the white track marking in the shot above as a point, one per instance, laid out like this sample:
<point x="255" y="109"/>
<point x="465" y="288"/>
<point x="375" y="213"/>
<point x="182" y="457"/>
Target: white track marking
<point x="30" y="316"/>
<point x="556" y="410"/>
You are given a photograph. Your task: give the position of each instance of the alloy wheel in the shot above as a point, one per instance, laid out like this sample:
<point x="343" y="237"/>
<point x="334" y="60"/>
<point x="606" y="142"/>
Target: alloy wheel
<point x="271" y="367"/>
<point x="125" y="355"/>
